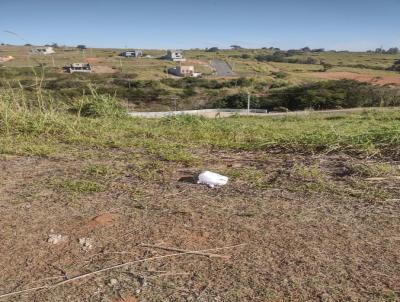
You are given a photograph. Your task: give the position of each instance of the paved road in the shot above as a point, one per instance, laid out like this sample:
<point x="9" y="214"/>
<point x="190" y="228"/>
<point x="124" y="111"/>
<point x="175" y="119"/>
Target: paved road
<point x="229" y="112"/>
<point x="222" y="68"/>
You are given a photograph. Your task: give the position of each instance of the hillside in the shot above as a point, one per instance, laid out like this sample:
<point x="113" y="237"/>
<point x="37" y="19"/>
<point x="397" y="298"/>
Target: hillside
<point x="310" y="211"/>
<point x="142" y="84"/>
<point x="96" y="205"/>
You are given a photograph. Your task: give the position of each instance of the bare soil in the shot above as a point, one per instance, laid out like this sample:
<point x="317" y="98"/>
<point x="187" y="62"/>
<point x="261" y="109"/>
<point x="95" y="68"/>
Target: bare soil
<point x="340" y="75"/>
<point x="316" y="227"/>
<point x="103" y="69"/>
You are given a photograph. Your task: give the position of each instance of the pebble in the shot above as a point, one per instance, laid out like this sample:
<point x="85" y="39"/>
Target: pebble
<point x="56" y="238"/>
<point x="86" y="244"/>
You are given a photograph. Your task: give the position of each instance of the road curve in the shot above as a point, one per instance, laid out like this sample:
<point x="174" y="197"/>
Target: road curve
<point x="222" y="68"/>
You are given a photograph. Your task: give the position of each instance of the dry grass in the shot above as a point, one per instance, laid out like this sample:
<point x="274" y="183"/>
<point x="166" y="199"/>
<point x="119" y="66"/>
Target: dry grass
<point x="316" y="228"/>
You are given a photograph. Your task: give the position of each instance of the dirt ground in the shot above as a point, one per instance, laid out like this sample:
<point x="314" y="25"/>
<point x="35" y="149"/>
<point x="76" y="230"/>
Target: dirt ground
<point x="315" y="227"/>
<point x="340" y="75"/>
<point x="103" y="69"/>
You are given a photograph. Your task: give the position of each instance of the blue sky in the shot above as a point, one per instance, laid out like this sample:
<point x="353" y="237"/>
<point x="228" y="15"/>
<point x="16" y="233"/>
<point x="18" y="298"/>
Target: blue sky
<point x="332" y="24"/>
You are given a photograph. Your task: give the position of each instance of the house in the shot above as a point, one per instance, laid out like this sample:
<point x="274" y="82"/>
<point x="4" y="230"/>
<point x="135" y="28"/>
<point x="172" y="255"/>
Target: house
<point x="46" y="50"/>
<point x="79" y="67"/>
<point x="132" y="54"/>
<point x="175" y="55"/>
<point x="184" y="71"/>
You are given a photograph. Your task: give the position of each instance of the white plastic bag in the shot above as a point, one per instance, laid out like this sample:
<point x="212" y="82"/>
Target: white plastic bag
<point x="212" y="179"/>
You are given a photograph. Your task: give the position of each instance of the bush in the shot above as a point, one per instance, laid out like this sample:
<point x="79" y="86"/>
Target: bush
<point x="396" y="66"/>
<point x="285" y="57"/>
<point x="318" y="96"/>
<point x="279" y="74"/>
<point x="97" y="105"/>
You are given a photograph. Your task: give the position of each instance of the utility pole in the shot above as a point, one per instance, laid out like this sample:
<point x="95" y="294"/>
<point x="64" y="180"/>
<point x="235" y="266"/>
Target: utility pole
<point x="248" y="102"/>
<point x="175" y="99"/>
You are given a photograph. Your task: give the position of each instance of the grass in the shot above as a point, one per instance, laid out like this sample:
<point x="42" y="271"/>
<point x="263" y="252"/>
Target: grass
<point x="155" y="69"/>
<point x="79" y="186"/>
<point x="46" y="132"/>
<point x="298" y="195"/>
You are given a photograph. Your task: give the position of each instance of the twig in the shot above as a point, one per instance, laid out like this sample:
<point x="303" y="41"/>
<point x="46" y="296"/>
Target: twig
<point x="169" y="274"/>
<point x="171" y="249"/>
<point x="78" y="277"/>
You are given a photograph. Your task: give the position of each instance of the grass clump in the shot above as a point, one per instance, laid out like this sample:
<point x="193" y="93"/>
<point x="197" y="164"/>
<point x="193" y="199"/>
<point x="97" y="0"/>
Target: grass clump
<point x="80" y="186"/>
<point x="98" y="105"/>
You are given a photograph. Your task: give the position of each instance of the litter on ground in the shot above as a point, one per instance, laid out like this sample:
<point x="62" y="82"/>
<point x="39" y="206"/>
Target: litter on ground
<point x="212" y="179"/>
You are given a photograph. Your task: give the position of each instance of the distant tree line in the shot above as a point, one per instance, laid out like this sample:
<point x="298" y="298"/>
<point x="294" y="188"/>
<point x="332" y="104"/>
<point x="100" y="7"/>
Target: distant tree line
<point x="318" y="96"/>
<point x="286" y="57"/>
<point x="390" y="51"/>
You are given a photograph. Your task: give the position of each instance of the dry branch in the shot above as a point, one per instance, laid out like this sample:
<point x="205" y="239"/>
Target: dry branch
<point x="82" y="276"/>
<point x="171" y="249"/>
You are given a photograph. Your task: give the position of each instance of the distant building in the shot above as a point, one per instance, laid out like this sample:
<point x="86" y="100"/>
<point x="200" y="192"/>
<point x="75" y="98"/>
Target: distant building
<point x="184" y="71"/>
<point x="46" y="50"/>
<point x="132" y="54"/>
<point x="79" y="67"/>
<point x="175" y="55"/>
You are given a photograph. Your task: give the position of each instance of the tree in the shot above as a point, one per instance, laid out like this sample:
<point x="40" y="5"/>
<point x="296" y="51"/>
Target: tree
<point x="212" y="49"/>
<point x="306" y="49"/>
<point x="395" y="66"/>
<point x="81" y="47"/>
<point x="393" y="50"/>
<point x="326" y="66"/>
<point x="236" y="47"/>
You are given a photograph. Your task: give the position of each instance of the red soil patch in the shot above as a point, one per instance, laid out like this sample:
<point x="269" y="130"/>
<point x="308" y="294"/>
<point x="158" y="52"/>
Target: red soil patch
<point x="103" y="219"/>
<point x="340" y="75"/>
<point x="93" y="60"/>
<point x="103" y="69"/>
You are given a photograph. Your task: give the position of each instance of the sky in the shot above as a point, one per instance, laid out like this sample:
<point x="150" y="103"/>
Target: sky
<point x="160" y="24"/>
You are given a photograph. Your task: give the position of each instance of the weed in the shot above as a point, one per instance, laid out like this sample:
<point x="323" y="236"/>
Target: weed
<point x="97" y="170"/>
<point x="81" y="186"/>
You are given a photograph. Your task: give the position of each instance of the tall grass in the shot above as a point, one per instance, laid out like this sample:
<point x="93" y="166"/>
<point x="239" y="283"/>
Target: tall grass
<point x="29" y="128"/>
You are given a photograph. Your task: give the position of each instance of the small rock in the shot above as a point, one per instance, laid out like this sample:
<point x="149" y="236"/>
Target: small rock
<point x="113" y="282"/>
<point x="56" y="238"/>
<point x="142" y="281"/>
<point x="86" y="244"/>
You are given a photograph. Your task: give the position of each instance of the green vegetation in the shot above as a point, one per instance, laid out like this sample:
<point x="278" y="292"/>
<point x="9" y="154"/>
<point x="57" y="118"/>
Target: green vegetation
<point x="396" y="66"/>
<point x="40" y="128"/>
<point x="320" y="95"/>
<point x="143" y="85"/>
<point x="79" y="186"/>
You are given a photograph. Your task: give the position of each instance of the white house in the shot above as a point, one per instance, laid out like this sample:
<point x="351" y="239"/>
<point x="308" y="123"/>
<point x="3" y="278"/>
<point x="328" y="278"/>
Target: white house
<point x="132" y="54"/>
<point x="46" y="50"/>
<point x="175" y="55"/>
<point x="184" y="71"/>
